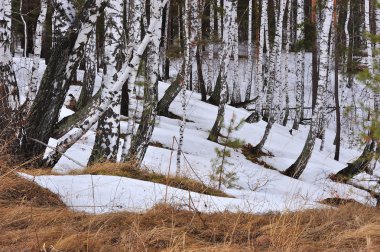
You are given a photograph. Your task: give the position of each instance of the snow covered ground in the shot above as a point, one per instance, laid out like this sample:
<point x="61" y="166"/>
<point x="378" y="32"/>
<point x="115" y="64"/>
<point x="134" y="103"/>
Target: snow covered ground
<point x="257" y="190"/>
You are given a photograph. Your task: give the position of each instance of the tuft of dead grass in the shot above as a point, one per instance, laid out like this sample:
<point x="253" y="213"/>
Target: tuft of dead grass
<point x="129" y="170"/>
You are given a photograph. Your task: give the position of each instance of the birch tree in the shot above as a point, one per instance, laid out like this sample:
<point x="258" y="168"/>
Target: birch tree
<point x="371" y="152"/>
<point x="296" y="169"/>
<point x="275" y="78"/>
<point x="236" y="94"/>
<point x="31" y="89"/>
<point x="9" y="93"/>
<point x="107" y="134"/>
<point x="97" y="110"/>
<point x="229" y="7"/>
<point x="55" y="82"/>
<point x="300" y="64"/>
<point x="141" y="139"/>
<point x="250" y="46"/>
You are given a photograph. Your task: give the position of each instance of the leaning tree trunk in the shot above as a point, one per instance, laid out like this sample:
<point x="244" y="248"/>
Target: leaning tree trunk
<point x="300" y="65"/>
<point x="130" y="69"/>
<point x="31" y="90"/>
<point x="275" y="79"/>
<point x="296" y="169"/>
<point x="371" y="150"/>
<point x="141" y="139"/>
<point x="63" y="16"/>
<point x="230" y="7"/>
<point x="108" y="130"/>
<point x="170" y="94"/>
<point x="55" y="82"/>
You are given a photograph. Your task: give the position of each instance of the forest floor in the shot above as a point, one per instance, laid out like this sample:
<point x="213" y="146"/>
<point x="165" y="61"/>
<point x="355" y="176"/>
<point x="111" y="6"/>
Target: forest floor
<point x="34" y="219"/>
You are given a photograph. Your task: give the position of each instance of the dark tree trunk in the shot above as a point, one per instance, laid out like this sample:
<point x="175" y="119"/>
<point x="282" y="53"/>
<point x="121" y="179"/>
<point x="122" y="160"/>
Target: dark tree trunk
<point x="201" y="82"/>
<point x="215" y="96"/>
<point x="359" y="165"/>
<point x="170" y="94"/>
<point x="124" y="100"/>
<point x="55" y="83"/>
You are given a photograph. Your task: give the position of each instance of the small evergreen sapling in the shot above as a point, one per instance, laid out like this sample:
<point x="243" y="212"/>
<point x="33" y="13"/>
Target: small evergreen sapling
<point x="219" y="172"/>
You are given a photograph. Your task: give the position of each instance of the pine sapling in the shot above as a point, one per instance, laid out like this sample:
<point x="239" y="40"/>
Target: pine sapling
<point x="219" y="172"/>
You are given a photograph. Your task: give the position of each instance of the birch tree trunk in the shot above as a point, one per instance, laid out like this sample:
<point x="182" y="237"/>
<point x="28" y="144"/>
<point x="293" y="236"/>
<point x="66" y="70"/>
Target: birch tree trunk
<point x="108" y="131"/>
<point x="286" y="68"/>
<point x="210" y="72"/>
<point x="250" y="47"/>
<point x="236" y="94"/>
<point x="9" y="93"/>
<point x="229" y="7"/>
<point x="370" y="154"/>
<point x="62" y="65"/>
<point x="31" y="89"/>
<point x="96" y="111"/>
<point x="260" y="58"/>
<point x="63" y="16"/>
<point x="300" y="65"/>
<point x="296" y="169"/>
<point x="275" y="79"/>
<point x="141" y="139"/>
<point x="187" y="61"/>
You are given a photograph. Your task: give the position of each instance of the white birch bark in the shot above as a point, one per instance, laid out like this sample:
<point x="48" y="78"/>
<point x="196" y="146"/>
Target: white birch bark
<point x="275" y="63"/>
<point x="187" y="62"/>
<point x="137" y="13"/>
<point x="32" y="87"/>
<point x="63" y="16"/>
<point x="250" y="47"/>
<point x="210" y="72"/>
<point x="9" y="93"/>
<point x="300" y="65"/>
<point x="236" y="94"/>
<point x="129" y="69"/>
<point x="299" y="166"/>
<point x="228" y="33"/>
<point x="370" y="63"/>
<point x="260" y="57"/>
<point x="141" y="139"/>
<point x="107" y="133"/>
<point x="377" y="56"/>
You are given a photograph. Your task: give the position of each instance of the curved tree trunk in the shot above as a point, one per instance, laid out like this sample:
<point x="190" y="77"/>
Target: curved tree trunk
<point x="55" y="83"/>
<point x="170" y="94"/>
<point x="141" y="139"/>
<point x="230" y="6"/>
<point x="296" y="169"/>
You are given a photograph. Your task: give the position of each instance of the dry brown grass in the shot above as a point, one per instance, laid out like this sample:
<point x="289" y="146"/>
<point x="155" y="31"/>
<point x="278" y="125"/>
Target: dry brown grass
<point x="34" y="219"/>
<point x="129" y="170"/>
